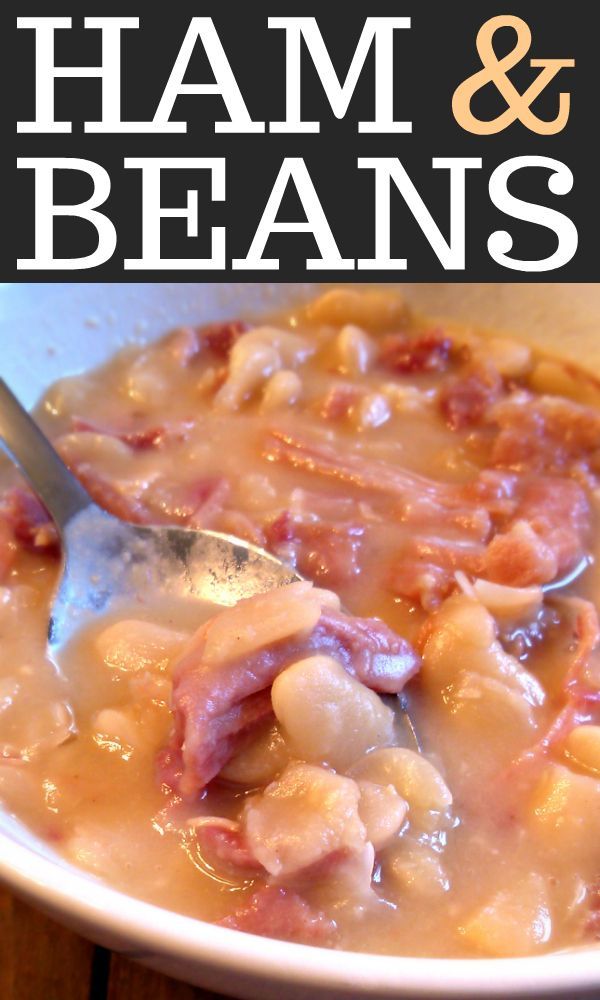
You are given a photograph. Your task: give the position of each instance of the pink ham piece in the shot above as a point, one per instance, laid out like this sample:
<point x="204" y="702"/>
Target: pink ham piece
<point x="545" y="433"/>
<point x="405" y="353"/>
<point x="326" y="552"/>
<point x="187" y="342"/>
<point x="545" y="538"/>
<point x="141" y="439"/>
<point x="281" y="913"/>
<point x="423" y="571"/>
<point x="29" y="520"/>
<point x="341" y="401"/>
<point x="221" y="685"/>
<point x="466" y="399"/>
<point x="222" y="841"/>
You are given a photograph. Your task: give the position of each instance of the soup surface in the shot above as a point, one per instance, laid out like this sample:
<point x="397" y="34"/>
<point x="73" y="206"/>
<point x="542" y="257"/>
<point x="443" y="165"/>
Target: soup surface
<point x="413" y="771"/>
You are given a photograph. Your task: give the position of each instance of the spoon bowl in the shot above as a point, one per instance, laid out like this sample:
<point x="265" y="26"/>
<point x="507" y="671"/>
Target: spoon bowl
<point x="108" y="562"/>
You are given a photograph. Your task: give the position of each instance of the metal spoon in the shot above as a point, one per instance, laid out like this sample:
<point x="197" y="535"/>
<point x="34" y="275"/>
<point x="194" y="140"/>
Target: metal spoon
<point x="107" y="562"/>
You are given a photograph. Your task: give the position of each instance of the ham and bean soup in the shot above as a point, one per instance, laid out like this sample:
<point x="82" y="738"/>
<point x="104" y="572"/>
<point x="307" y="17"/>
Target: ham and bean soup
<point x="399" y="755"/>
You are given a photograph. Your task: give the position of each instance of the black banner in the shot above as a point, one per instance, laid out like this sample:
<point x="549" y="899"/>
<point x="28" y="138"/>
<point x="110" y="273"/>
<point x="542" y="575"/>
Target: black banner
<point x="412" y="193"/>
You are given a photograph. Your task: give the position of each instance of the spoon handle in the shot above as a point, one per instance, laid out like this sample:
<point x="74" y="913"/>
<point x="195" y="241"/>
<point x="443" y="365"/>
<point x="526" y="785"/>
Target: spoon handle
<point x="27" y="447"/>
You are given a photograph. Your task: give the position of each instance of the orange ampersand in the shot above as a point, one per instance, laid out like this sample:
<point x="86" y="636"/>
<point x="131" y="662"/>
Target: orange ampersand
<point x="495" y="70"/>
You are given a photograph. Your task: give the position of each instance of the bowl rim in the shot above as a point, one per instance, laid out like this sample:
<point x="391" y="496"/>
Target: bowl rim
<point x="154" y="931"/>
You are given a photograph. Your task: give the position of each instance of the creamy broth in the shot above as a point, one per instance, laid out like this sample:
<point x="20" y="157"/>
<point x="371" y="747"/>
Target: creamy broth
<point x="444" y="481"/>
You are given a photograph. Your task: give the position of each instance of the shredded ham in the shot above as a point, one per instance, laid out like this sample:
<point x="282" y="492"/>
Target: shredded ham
<point x="284" y="914"/>
<point x="366" y="474"/>
<point x="538" y="524"/>
<point x="140" y="439"/>
<point x="541" y="529"/>
<point x="195" y="504"/>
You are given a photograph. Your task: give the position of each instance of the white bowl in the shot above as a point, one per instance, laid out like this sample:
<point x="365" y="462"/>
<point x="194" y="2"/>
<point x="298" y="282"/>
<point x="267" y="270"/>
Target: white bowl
<point x="51" y="330"/>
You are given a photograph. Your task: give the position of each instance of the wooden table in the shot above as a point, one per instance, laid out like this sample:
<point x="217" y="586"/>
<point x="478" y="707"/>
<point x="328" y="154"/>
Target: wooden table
<point x="40" y="960"/>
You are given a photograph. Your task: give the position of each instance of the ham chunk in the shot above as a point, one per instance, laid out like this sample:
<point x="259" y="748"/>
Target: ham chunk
<point x="466" y="399"/>
<point x="424" y="570"/>
<point x="222" y="682"/>
<point x="196" y="503"/>
<point x="223" y="842"/>
<point x="405" y="353"/>
<point x="324" y="551"/>
<point x="186" y="343"/>
<point x="545" y="433"/>
<point x="546" y="538"/>
<point x="340" y="401"/>
<point x="541" y="525"/>
<point x="29" y="520"/>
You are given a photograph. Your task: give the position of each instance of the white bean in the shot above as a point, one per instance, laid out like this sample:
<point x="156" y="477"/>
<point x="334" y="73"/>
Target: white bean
<point x="511" y="358"/>
<point x="408" y="398"/>
<point x="328" y="716"/>
<point x="565" y="812"/>
<point x="416" y="869"/>
<point x="501" y="600"/>
<point x="412" y="775"/>
<point x="258" y="621"/>
<point x="382" y="811"/>
<point x="463" y="640"/>
<point x="583" y="746"/>
<point x="132" y="645"/>
<point x="515" y="921"/>
<point x="283" y="389"/>
<point x="355" y="350"/>
<point x="370" y="308"/>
